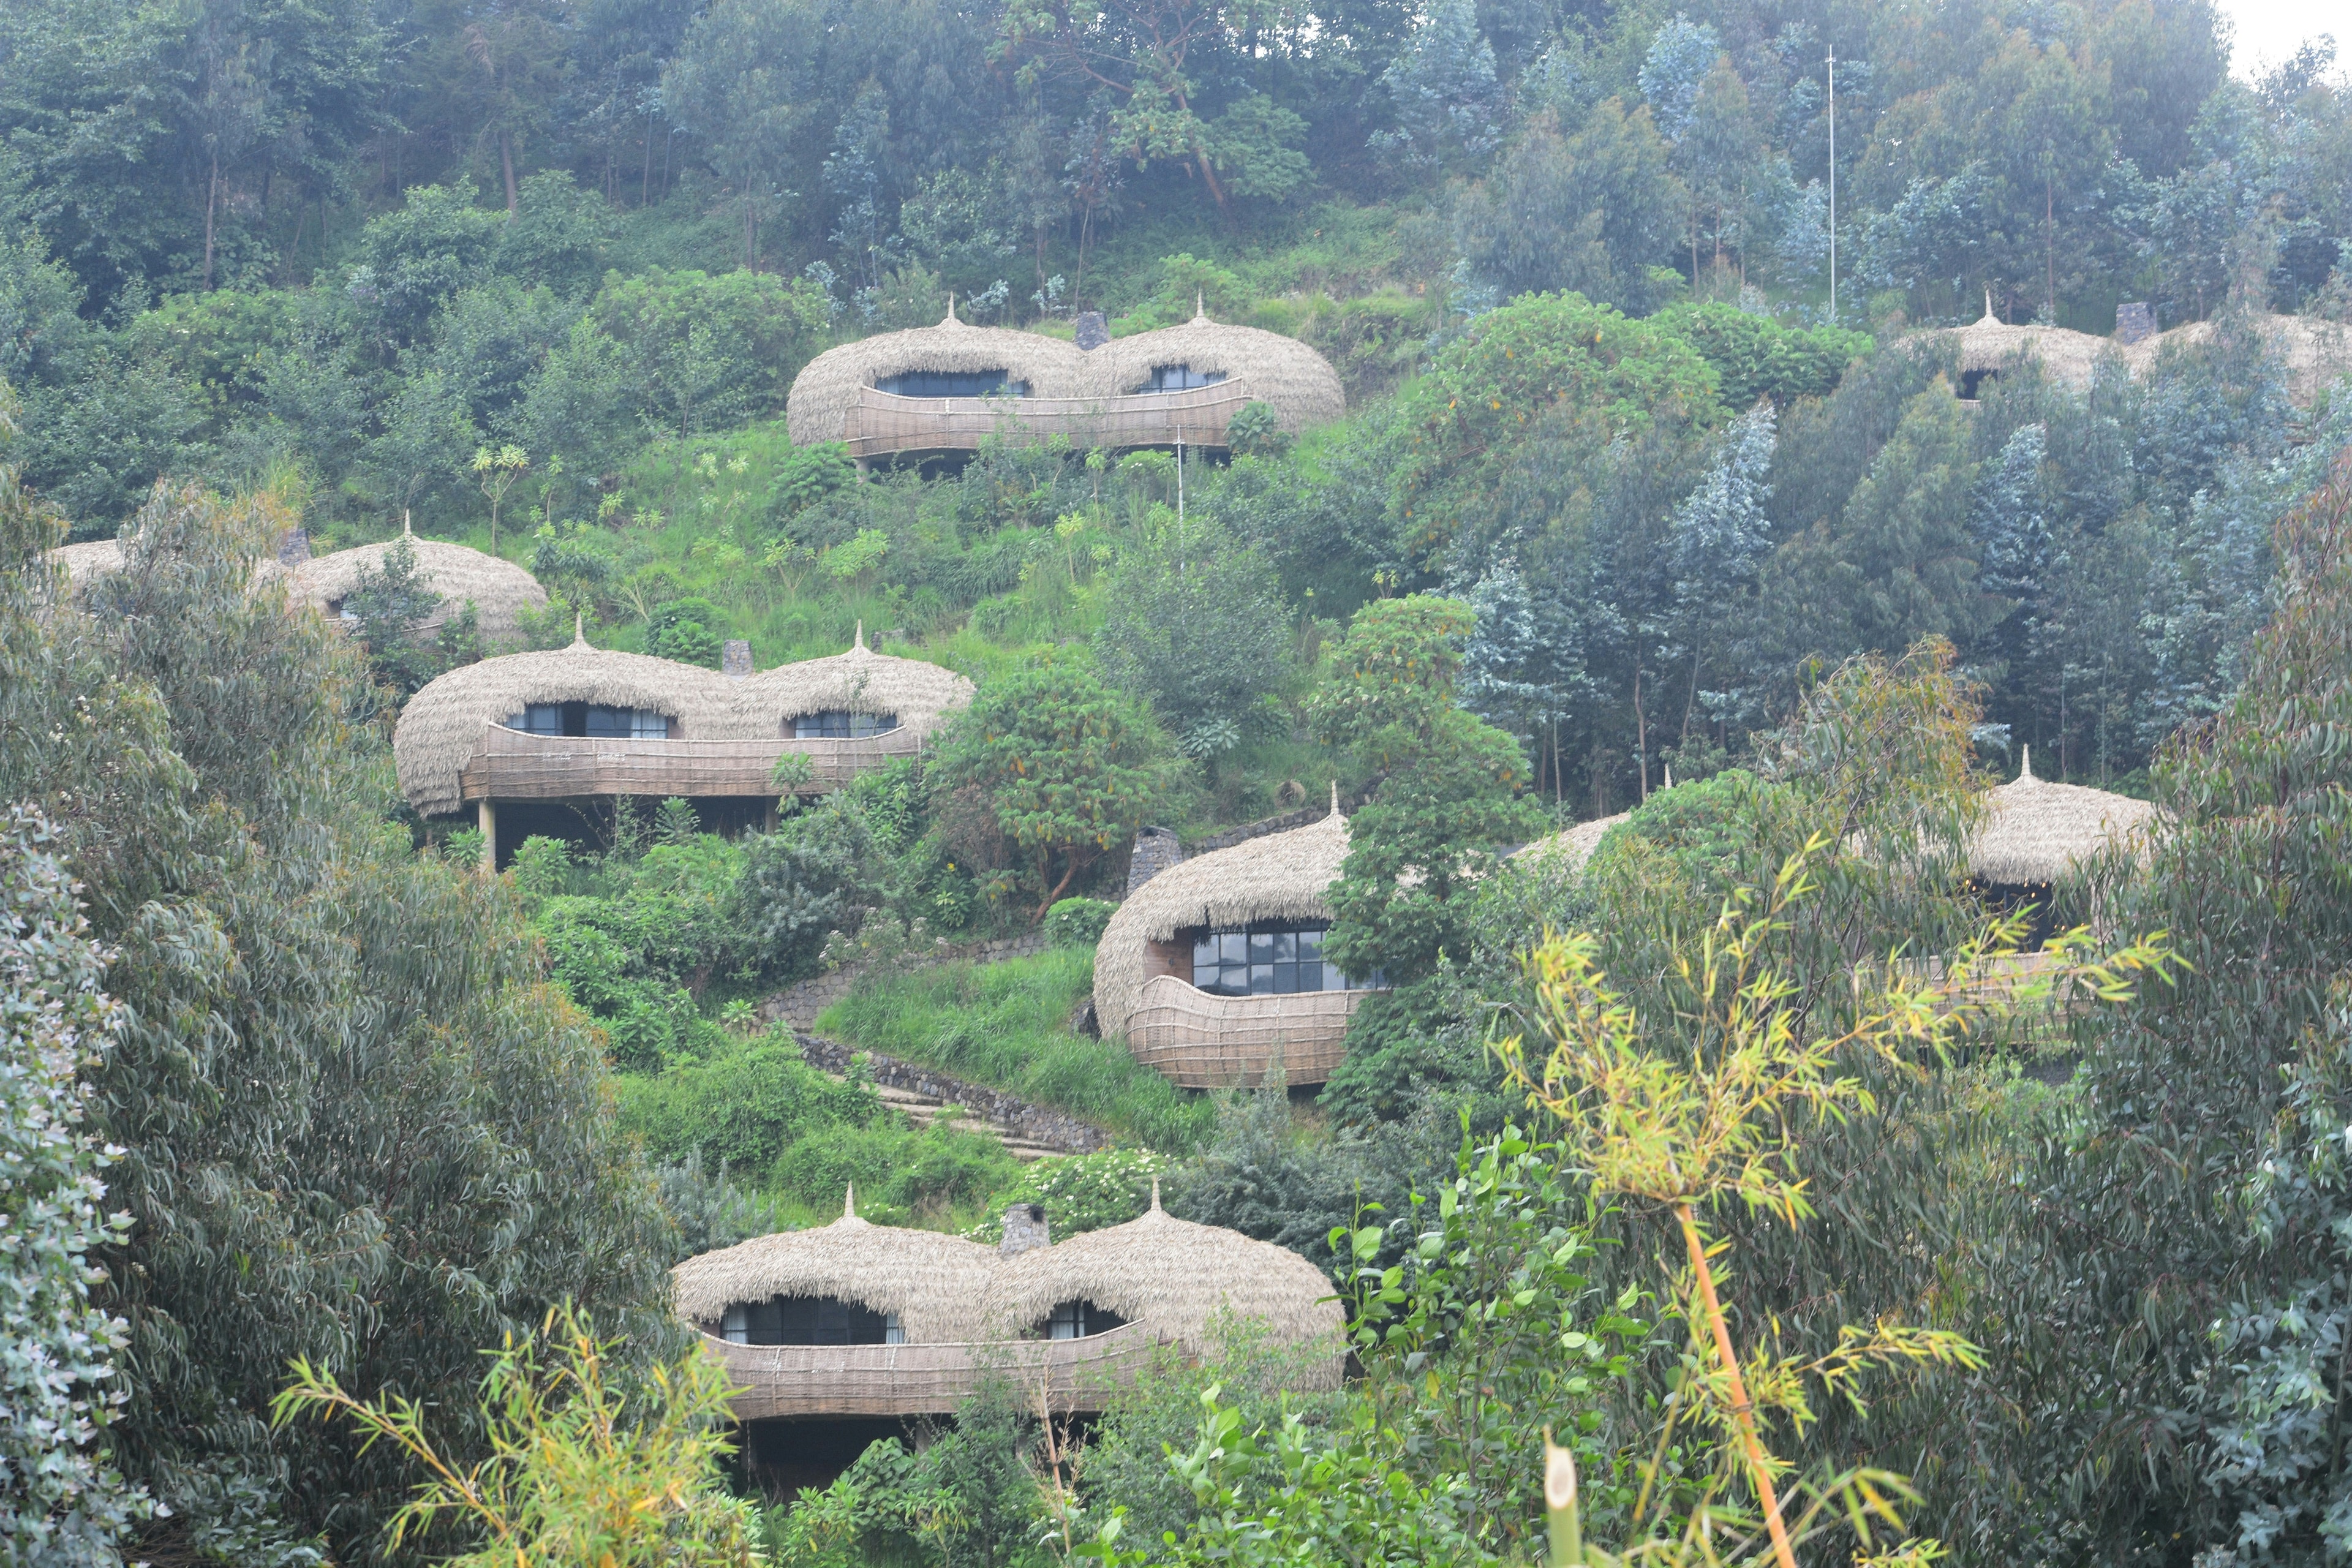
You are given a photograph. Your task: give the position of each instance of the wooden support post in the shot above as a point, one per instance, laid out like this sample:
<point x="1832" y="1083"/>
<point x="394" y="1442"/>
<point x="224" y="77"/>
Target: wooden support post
<point x="486" y="817"/>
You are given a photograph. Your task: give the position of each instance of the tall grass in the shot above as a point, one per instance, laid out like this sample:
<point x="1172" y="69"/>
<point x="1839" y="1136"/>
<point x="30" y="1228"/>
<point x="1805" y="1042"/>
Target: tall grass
<point x="1007" y="1026"/>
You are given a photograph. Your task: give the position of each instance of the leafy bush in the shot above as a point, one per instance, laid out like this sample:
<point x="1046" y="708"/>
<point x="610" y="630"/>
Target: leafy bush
<point x="741" y="1107"/>
<point x="1081" y="1192"/>
<point x="1078" y="923"/>
<point x="1755" y="356"/>
<point x="937" y="1173"/>
<point x="690" y="630"/>
<point x="820" y="872"/>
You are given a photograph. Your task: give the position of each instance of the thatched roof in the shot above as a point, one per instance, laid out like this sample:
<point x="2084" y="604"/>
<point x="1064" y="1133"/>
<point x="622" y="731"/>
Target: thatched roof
<point x="1281" y="876"/>
<point x="84" y="562"/>
<point x="2037" y="832"/>
<point x="498" y="590"/>
<point x="443" y="724"/>
<point x="860" y="681"/>
<point x="936" y="1284"/>
<point x="2313" y="354"/>
<point x="2068" y="357"/>
<point x="1298" y="381"/>
<point x="827" y="388"/>
<point x="1175" y="1277"/>
<point x="1574" y="846"/>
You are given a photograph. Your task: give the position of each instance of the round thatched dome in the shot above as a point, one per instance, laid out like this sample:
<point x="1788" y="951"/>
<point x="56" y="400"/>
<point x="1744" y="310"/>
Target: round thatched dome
<point x="1574" y="846"/>
<point x="817" y="409"/>
<point x="498" y="590"/>
<point x="1988" y="343"/>
<point x="84" y="562"/>
<point x="860" y="681"/>
<point x="1174" y="1277"/>
<point x="443" y="724"/>
<point x="936" y="1284"/>
<point x="2313" y="354"/>
<point x="1297" y="381"/>
<point x="1281" y="876"/>
<point x="2037" y="832"/>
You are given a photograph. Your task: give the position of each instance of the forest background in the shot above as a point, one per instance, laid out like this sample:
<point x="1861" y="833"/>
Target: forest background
<point x="1615" y="484"/>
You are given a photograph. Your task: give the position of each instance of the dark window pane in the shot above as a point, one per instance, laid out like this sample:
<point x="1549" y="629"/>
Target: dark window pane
<point x="1310" y="947"/>
<point x="1261" y="979"/>
<point x="1233" y="947"/>
<point x="1285" y="947"/>
<point x="1332" y="979"/>
<point x="1260" y="947"/>
<point x="1286" y="979"/>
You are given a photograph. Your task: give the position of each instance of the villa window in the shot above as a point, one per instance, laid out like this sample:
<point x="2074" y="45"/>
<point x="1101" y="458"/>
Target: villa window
<point x="1269" y="959"/>
<point x="809" y="1321"/>
<point x="1081" y="1320"/>
<point x="591" y="719"/>
<point x="1180" y="378"/>
<point x="952" y="384"/>
<point x="840" y="724"/>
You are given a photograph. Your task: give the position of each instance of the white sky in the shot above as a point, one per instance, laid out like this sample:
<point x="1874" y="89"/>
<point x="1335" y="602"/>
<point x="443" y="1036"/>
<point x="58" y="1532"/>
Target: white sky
<point x="2269" y="31"/>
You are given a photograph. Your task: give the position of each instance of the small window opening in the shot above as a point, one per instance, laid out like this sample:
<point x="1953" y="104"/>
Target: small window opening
<point x="840" y="724"/>
<point x="1180" y="378"/>
<point x="809" y="1321"/>
<point x="1268" y="959"/>
<point x="1080" y="1320"/>
<point x="1972" y="382"/>
<point x="952" y="384"/>
<point x="591" y="719"/>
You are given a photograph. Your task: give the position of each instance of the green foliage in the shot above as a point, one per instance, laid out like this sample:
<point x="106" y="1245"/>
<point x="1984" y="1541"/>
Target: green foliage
<point x="1254" y="433"/>
<point x="1195" y="621"/>
<point x="1755" y="356"/>
<point x="1066" y="767"/>
<point x="1007" y="1026"/>
<point x="820" y="872"/>
<point x="940" y="1176"/>
<point x="697" y="350"/>
<point x="806" y="475"/>
<point x="741" y="1107"/>
<point x="1081" y="1192"/>
<point x="690" y="630"/>
<point x="1078" y="923"/>
<point x="387" y="609"/>
<point x="61" y="1499"/>
<point x="1588" y="213"/>
<point x="590" y="1462"/>
<point x="308" y="1007"/>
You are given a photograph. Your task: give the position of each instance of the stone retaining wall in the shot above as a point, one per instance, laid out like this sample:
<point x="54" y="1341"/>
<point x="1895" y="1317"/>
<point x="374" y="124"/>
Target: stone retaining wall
<point x="1037" y="1124"/>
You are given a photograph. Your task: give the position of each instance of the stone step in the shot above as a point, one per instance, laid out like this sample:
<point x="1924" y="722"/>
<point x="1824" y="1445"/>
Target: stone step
<point x="925" y="1109"/>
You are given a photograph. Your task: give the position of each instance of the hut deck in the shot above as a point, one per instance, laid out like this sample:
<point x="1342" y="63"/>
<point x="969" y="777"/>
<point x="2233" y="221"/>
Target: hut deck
<point x="1202" y="1041"/>
<point x="510" y="764"/>
<point x="927" y="1380"/>
<point x="884" y="424"/>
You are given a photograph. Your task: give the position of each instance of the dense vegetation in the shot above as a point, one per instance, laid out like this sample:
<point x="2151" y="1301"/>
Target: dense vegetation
<point x="1619" y="491"/>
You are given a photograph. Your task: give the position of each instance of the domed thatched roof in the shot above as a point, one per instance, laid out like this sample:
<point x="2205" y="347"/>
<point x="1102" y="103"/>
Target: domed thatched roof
<point x="1281" y="876"/>
<point x="2067" y="357"/>
<point x="2312" y="353"/>
<point x="1575" y="845"/>
<point x="443" y="724"/>
<point x="84" y="562"/>
<point x="1298" y="382"/>
<point x="2037" y="832"/>
<point x="1175" y="1277"/>
<point x="827" y="388"/>
<point x="936" y="1284"/>
<point x="859" y="681"/>
<point x="498" y="590"/>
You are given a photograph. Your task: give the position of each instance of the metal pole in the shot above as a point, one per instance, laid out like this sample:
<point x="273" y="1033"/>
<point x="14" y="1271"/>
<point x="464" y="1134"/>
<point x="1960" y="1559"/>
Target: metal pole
<point x="1180" y="477"/>
<point x="1832" y="185"/>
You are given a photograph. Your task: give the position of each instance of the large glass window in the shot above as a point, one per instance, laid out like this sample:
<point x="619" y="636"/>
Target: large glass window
<point x="591" y="719"/>
<point x="1268" y="959"/>
<point x="1081" y="1320"/>
<point x="1180" y="378"/>
<point x="951" y="383"/>
<point x="840" y="724"/>
<point x="809" y="1321"/>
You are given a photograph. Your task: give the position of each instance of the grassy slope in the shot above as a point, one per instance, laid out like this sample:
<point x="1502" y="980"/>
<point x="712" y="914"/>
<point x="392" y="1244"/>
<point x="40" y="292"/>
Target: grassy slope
<point x="1007" y="1026"/>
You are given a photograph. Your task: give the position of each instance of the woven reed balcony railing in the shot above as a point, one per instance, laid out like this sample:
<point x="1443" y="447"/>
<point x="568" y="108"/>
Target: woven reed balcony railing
<point x="927" y="1380"/>
<point x="510" y="764"/>
<point x="884" y="424"/>
<point x="1198" y="1040"/>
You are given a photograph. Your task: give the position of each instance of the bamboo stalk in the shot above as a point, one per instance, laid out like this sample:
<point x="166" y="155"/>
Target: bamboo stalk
<point x="1743" y="1413"/>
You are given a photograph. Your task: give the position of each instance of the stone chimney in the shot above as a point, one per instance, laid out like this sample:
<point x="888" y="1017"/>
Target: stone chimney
<point x="293" y="547"/>
<point x="1094" y="331"/>
<point x="735" y="658"/>
<point x="1024" y="1230"/>
<point x="2134" y="323"/>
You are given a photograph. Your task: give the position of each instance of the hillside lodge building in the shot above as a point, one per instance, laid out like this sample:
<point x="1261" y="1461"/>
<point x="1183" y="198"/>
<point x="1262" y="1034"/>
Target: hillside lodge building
<point x="550" y="742"/>
<point x="940" y="391"/>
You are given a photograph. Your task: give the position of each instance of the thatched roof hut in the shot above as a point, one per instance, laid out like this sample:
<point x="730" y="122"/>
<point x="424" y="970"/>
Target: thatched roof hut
<point x="2036" y="832"/>
<point x="443" y="723"/>
<point x="919" y="694"/>
<point x="498" y="590"/>
<point x="2313" y="354"/>
<point x="1176" y="1278"/>
<point x="88" y="561"/>
<point x="1992" y="345"/>
<point x="1297" y="381"/>
<point x="936" y="1285"/>
<point x="827" y="386"/>
<point x="1574" y="846"/>
<point x="1281" y="876"/>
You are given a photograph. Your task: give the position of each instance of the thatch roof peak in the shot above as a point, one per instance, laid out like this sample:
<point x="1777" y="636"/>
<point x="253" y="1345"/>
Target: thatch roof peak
<point x="2038" y="831"/>
<point x="499" y="589"/>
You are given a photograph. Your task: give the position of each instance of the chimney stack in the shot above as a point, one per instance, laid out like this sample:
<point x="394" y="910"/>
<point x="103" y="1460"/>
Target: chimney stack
<point x="1093" y="330"/>
<point x="735" y="658"/>
<point x="1024" y="1230"/>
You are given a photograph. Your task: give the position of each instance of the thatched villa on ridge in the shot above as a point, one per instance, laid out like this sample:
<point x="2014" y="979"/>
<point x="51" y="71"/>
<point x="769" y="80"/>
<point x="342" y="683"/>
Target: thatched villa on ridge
<point x="934" y="391"/>
<point x="547" y="743"/>
<point x="2312" y="353"/>
<point x="2037" y="834"/>
<point x="498" y="590"/>
<point x="841" y="1334"/>
<point x="1213" y="970"/>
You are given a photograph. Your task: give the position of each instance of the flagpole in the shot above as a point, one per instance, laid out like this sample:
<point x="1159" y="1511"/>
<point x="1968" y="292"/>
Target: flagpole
<point x="1833" y="184"/>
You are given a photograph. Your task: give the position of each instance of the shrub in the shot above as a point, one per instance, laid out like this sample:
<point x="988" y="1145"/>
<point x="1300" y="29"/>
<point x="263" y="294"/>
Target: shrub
<point x="1078" y="923"/>
<point x="689" y="630"/>
<point x="741" y="1107"/>
<point x="1081" y="1192"/>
